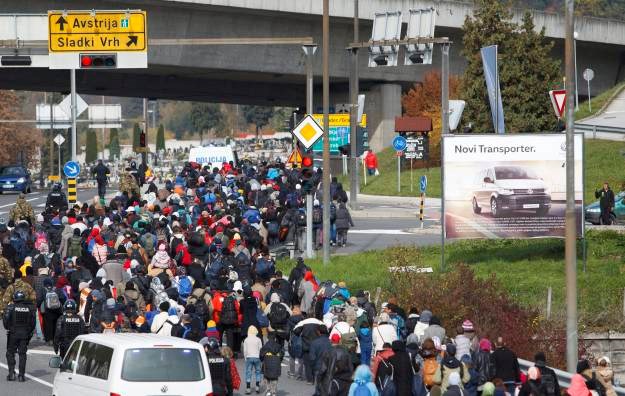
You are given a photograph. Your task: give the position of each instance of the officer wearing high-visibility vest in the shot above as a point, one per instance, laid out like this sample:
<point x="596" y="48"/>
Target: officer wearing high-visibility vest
<point x="68" y="327"/>
<point x="19" y="321"/>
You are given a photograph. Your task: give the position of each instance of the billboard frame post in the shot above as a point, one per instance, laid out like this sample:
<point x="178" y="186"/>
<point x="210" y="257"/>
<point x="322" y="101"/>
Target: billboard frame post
<point x="443" y="203"/>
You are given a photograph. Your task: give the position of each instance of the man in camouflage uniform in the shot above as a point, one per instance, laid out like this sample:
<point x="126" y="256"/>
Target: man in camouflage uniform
<point x="128" y="184"/>
<point x="6" y="273"/>
<point x="22" y="210"/>
<point x="21" y="285"/>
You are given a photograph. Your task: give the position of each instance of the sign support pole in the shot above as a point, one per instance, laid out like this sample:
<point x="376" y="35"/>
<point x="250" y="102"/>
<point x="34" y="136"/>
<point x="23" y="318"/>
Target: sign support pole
<point x="74" y="111"/>
<point x="589" y="105"/>
<point x="398" y="172"/>
<point x="570" y="241"/>
<point x="59" y="146"/>
<point x="364" y="171"/>
<point x="354" y="185"/>
<point x="326" y="124"/>
<point x="421" y="207"/>
<point x="410" y="174"/>
<point x="309" y="50"/>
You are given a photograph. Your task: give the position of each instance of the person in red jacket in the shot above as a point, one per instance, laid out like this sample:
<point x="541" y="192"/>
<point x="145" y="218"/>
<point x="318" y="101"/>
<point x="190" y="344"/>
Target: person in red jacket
<point x="371" y="162"/>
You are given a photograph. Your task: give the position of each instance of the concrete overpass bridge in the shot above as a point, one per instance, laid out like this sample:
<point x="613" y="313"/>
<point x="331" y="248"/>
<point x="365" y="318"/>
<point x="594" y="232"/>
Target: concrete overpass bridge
<point x="274" y="75"/>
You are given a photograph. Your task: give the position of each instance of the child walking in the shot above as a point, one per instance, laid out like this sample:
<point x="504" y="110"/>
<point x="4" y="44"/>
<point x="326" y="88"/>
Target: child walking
<point x="251" y="352"/>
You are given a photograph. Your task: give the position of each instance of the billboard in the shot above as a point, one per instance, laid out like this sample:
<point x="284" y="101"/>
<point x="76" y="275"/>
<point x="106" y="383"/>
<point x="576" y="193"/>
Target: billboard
<point x="508" y="186"/>
<point x="339" y="132"/>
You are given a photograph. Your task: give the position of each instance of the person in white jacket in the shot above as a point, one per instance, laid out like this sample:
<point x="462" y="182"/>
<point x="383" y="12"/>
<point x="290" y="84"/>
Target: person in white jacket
<point x="251" y="352"/>
<point x="422" y="324"/>
<point x="163" y="322"/>
<point x="383" y="333"/>
<point x="342" y="328"/>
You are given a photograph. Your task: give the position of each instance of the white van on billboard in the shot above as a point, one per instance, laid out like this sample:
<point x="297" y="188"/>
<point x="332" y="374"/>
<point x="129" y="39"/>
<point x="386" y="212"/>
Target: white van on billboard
<point x="508" y="186"/>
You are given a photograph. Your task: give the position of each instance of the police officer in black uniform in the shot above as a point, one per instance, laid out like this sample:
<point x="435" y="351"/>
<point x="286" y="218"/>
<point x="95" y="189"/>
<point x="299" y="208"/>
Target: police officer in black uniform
<point x="19" y="321"/>
<point x="68" y="327"/>
<point x="56" y="199"/>
<point x="219" y="367"/>
<point x="101" y="173"/>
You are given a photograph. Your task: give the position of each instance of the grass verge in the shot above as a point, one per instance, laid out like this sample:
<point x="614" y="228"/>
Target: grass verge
<point x="525" y="268"/>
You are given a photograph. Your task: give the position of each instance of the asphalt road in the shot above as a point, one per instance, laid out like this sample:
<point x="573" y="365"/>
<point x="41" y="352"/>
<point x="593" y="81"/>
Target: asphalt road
<point x="38" y="200"/>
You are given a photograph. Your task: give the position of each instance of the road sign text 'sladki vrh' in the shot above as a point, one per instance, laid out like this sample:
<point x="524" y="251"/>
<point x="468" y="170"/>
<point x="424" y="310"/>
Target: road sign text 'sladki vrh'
<point x="86" y="31"/>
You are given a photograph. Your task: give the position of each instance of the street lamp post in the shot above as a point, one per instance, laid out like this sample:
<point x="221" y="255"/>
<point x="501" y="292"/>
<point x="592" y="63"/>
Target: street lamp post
<point x="575" y="36"/>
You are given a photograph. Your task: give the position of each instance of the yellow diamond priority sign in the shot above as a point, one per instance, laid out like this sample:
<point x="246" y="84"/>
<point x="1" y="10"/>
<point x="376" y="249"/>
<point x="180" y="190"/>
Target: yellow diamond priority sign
<point x="308" y="132"/>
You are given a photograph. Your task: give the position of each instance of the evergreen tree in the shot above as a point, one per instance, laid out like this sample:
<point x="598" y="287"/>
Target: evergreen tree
<point x="91" y="153"/>
<point x="114" y="149"/>
<point x="160" y="138"/>
<point x="526" y="70"/>
<point x="136" y="132"/>
<point x="205" y="116"/>
<point x="258" y="115"/>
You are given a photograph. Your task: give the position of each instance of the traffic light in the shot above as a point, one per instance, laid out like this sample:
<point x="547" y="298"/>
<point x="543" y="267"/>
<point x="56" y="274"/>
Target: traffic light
<point x="142" y="139"/>
<point x="98" y="61"/>
<point x="307" y="173"/>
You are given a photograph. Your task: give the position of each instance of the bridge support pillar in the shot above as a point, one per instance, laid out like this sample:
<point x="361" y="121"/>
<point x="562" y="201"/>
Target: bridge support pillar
<point x="382" y="105"/>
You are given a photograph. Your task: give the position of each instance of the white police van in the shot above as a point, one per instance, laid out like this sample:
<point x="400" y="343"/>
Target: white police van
<point x="128" y="364"/>
<point x="214" y="155"/>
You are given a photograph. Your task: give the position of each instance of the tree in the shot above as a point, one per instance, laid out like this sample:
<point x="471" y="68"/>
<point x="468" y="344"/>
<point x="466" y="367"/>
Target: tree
<point x="114" y="149"/>
<point x="526" y="70"/>
<point x="424" y="99"/>
<point x="257" y="115"/>
<point x="205" y="116"/>
<point x="160" y="138"/>
<point x="91" y="153"/>
<point x="136" y="137"/>
<point x="20" y="142"/>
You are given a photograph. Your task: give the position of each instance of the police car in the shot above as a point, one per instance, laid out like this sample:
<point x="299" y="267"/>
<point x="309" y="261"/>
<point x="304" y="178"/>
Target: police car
<point x="132" y="364"/>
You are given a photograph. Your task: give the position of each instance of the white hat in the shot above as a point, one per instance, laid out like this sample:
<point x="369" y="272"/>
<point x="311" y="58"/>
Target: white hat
<point x="107" y="222"/>
<point x="298" y="186"/>
<point x="316" y="202"/>
<point x="237" y="286"/>
<point x="130" y="209"/>
<point x="39" y="218"/>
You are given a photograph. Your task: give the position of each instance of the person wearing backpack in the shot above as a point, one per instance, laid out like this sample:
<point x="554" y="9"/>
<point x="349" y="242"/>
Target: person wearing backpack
<point x="278" y="314"/>
<point x="50" y="302"/>
<point x="74" y="244"/>
<point x="271" y="355"/>
<point x="184" y="285"/>
<point x="363" y="383"/>
<point x="430" y="362"/>
<point x="228" y="317"/>
<point x="533" y="385"/>
<point x="450" y="365"/>
<point x="335" y="370"/>
<point x="548" y="377"/>
<point x="148" y="241"/>
<point x="349" y="337"/>
<point x="365" y="340"/>
<point x="455" y="386"/>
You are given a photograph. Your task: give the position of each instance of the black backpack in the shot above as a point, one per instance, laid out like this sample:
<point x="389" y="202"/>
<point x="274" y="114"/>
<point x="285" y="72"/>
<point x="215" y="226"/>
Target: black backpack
<point x="548" y="381"/>
<point x="135" y="254"/>
<point x="317" y="215"/>
<point x="278" y="315"/>
<point x="228" y="312"/>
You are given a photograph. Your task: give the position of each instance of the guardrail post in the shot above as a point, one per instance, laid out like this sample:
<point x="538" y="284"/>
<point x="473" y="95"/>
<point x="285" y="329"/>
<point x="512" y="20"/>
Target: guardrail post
<point x="549" y="302"/>
<point x="594" y="131"/>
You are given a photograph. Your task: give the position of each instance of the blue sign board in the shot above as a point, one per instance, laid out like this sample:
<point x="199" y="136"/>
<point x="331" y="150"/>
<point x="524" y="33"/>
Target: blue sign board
<point x="71" y="169"/>
<point x="399" y="143"/>
<point x="423" y="183"/>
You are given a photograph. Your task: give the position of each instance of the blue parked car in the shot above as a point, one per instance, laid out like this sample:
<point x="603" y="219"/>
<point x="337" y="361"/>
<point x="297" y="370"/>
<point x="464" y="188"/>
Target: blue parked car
<point x="14" y="178"/>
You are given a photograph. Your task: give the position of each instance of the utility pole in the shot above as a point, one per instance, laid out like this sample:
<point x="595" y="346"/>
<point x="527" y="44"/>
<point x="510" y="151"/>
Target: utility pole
<point x="570" y="241"/>
<point x="144" y="154"/>
<point x="326" y="139"/>
<point x="309" y="51"/>
<point x="445" y="88"/>
<point x="74" y="111"/>
<point x="353" y="132"/>
<point x="103" y="142"/>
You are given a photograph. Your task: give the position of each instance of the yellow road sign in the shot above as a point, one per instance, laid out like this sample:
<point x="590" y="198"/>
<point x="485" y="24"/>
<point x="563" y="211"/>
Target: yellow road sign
<point x="84" y="31"/>
<point x="308" y="132"/>
<point x="54" y="178"/>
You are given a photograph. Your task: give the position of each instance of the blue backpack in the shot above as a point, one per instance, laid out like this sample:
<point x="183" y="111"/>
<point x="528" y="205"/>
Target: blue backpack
<point x="210" y="198"/>
<point x="362" y="390"/>
<point x="184" y="288"/>
<point x="296" y="346"/>
<point x="264" y="267"/>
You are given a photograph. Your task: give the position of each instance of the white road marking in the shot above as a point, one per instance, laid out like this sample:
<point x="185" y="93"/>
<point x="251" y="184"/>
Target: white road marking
<point x="39" y="380"/>
<point x="382" y="232"/>
<point x="13" y="203"/>
<point x="40" y="352"/>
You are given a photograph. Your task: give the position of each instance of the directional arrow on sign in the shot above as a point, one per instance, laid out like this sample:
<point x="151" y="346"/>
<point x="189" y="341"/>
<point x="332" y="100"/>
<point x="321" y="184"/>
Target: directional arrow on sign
<point x="132" y="40"/>
<point x="61" y="22"/>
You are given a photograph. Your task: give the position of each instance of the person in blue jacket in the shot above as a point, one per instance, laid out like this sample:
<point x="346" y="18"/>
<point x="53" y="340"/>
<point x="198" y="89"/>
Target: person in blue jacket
<point x="363" y="382"/>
